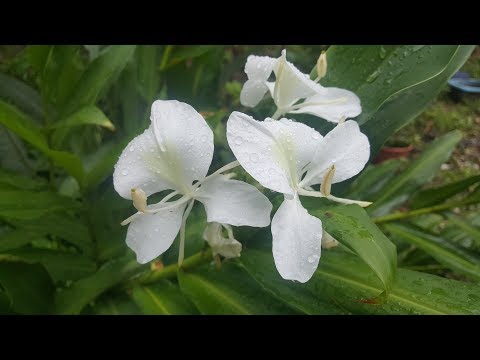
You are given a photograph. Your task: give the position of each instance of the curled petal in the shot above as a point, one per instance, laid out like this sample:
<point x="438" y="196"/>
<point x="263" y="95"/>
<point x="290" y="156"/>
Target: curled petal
<point x="331" y="104"/>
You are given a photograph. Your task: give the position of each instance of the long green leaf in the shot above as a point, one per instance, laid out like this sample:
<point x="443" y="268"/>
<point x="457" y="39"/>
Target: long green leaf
<point x="23" y="204"/>
<point x="11" y="181"/>
<point x="163" y="298"/>
<point x="21" y="95"/>
<point x="61" y="266"/>
<point x="462" y="230"/>
<point x="301" y="297"/>
<point x="113" y="305"/>
<point x="24" y="127"/>
<point x="352" y="226"/>
<point x="17" y="238"/>
<point x="344" y="280"/>
<point x="73" y="299"/>
<point x="98" y="75"/>
<point x="88" y="115"/>
<point x="394" y="83"/>
<point x="443" y="251"/>
<point x="439" y="194"/>
<point x="419" y="172"/>
<point x="229" y="290"/>
<point x="28" y="286"/>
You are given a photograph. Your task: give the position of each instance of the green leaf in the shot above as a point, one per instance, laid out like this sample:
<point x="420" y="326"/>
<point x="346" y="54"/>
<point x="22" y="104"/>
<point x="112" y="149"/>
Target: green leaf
<point x="113" y="305"/>
<point x="343" y="278"/>
<point x="24" y="127"/>
<point x="99" y="165"/>
<point x="28" y="286"/>
<point x="17" y="238"/>
<point x="37" y="56"/>
<point x="88" y="115"/>
<point x="394" y="83"/>
<point x="369" y="185"/>
<point x="352" y="227"/>
<point x="443" y="251"/>
<point x="301" y="297"/>
<point x="420" y="171"/>
<point x="4" y="304"/>
<point x="148" y="73"/>
<point x="61" y="266"/>
<point x="60" y="74"/>
<point x="163" y="298"/>
<point x="23" y="204"/>
<point x="434" y="196"/>
<point x="73" y="299"/>
<point x="69" y="228"/>
<point x="21" y="95"/>
<point x="98" y="75"/>
<point x="10" y="180"/>
<point x="462" y="230"/>
<point x="229" y="290"/>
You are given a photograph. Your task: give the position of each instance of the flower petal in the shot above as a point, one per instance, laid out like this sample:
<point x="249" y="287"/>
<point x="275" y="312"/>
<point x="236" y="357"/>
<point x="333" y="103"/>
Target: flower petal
<point x="228" y="247"/>
<point x="186" y="138"/>
<point x="150" y="235"/>
<point x="297" y="238"/>
<point x="139" y="167"/>
<point x="292" y="84"/>
<point x="234" y="202"/>
<point x="252" y="92"/>
<point x="331" y="104"/>
<point x="273" y="152"/>
<point x="346" y="147"/>
<point x="259" y="67"/>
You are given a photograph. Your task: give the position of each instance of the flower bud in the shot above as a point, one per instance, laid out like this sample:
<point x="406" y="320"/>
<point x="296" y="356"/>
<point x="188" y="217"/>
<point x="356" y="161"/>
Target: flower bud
<point x="322" y="65"/>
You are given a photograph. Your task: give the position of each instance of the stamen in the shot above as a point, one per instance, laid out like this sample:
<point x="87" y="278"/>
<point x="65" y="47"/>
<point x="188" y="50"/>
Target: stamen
<point x="139" y="199"/>
<point x="326" y="186"/>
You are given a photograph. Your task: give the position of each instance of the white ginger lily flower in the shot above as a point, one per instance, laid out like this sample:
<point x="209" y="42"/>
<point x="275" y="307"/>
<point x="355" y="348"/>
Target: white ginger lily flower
<point x="175" y="153"/>
<point x="228" y="247"/>
<point x="291" y="85"/>
<point x="289" y="157"/>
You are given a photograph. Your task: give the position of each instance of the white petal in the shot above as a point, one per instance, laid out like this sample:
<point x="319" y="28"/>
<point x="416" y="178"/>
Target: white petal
<point x="331" y="104"/>
<point x="150" y="235"/>
<point x="186" y="138"/>
<point x="259" y="67"/>
<point x="139" y="167"/>
<point x="346" y="147"/>
<point x="292" y="84"/>
<point x="273" y="152"/>
<point x="297" y="238"/>
<point x="252" y="92"/>
<point x="234" y="202"/>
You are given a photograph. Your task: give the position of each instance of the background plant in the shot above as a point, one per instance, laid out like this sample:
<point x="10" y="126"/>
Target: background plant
<point x="66" y="112"/>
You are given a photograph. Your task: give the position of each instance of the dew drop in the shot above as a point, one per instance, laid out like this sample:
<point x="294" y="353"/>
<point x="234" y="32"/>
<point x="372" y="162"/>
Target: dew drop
<point x="238" y="140"/>
<point x="124" y="172"/>
<point x="315" y="135"/>
<point x="254" y="157"/>
<point x="203" y="138"/>
<point x="312" y="258"/>
<point x="156" y="229"/>
<point x="132" y="148"/>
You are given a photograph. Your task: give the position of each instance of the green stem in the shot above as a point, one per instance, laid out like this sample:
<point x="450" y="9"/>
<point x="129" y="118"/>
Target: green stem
<point x="169" y="271"/>
<point x="423" y="211"/>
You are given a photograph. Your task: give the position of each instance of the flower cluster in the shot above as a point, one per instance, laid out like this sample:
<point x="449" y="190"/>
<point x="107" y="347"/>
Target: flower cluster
<point x="283" y="155"/>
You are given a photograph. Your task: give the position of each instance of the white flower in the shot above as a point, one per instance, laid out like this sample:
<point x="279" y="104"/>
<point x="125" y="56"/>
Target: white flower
<point x="174" y="153"/>
<point x="291" y="85"/>
<point x="290" y="157"/>
<point x="228" y="247"/>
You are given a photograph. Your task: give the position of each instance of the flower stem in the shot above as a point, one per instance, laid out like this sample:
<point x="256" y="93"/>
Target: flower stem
<point x="169" y="271"/>
<point x="277" y="114"/>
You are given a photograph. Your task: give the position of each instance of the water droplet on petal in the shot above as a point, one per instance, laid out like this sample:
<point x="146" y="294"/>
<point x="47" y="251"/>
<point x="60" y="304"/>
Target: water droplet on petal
<point x="312" y="258"/>
<point x="203" y="138"/>
<point x="238" y="140"/>
<point x="124" y="172"/>
<point x="315" y="135"/>
<point x="254" y="157"/>
<point x="132" y="148"/>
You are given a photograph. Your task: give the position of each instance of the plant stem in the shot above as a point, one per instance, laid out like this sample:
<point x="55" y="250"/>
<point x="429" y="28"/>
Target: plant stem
<point x="423" y="211"/>
<point x="169" y="271"/>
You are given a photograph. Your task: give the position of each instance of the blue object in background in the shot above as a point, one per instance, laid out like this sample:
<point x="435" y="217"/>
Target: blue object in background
<point x="462" y="81"/>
